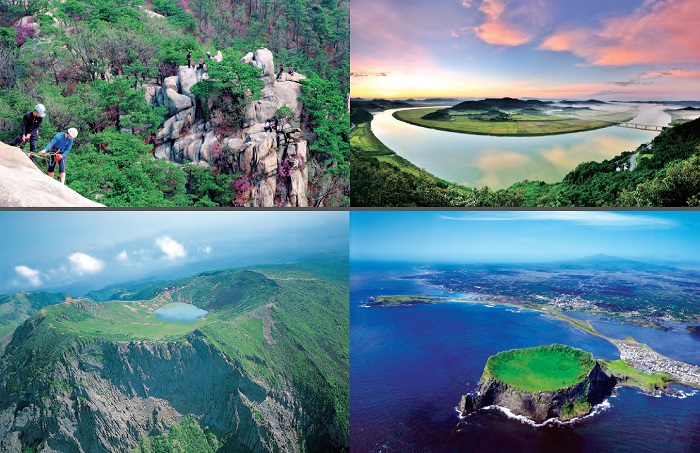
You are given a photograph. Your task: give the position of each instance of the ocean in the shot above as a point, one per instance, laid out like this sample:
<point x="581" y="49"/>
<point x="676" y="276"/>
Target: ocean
<point x="410" y="366"/>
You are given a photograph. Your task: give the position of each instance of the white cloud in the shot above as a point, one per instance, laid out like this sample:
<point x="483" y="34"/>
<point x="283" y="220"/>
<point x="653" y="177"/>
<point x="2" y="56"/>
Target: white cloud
<point x="29" y="274"/>
<point x="593" y="218"/>
<point x="206" y="249"/>
<point x="81" y="264"/>
<point x="123" y="256"/>
<point x="170" y="247"/>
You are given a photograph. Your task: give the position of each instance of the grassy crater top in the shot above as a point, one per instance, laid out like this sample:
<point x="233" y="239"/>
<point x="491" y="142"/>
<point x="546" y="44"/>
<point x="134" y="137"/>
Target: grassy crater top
<point x="542" y="368"/>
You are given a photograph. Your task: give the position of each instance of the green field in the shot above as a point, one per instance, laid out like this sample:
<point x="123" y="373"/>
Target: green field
<point x="542" y="368"/>
<point x="628" y="375"/>
<point x="522" y="124"/>
<point x="363" y="139"/>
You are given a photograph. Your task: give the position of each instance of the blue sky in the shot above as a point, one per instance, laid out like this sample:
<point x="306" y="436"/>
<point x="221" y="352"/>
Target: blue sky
<point x="80" y="251"/>
<point x="622" y="49"/>
<point x="524" y="236"/>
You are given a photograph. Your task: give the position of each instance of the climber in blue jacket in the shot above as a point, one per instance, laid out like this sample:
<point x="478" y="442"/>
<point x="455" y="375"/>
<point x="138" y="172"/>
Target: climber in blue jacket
<point x="60" y="146"/>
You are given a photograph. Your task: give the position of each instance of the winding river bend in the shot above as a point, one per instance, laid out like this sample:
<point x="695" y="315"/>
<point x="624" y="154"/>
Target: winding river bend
<point x="498" y="162"/>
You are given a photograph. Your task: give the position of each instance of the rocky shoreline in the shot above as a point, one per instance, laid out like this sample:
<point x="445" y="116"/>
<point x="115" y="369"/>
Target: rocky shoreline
<point x="564" y="404"/>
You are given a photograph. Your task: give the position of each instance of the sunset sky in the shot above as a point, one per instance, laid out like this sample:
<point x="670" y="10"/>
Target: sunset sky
<point x="621" y="49"/>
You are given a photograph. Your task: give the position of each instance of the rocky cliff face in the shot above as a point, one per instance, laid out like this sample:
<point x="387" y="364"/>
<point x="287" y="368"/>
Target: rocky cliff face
<point x="103" y="396"/>
<point x="22" y="184"/>
<point x="273" y="162"/>
<point x="540" y="406"/>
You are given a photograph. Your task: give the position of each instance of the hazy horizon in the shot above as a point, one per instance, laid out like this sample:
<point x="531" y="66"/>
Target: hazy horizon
<point x="82" y="251"/>
<point x="517" y="237"/>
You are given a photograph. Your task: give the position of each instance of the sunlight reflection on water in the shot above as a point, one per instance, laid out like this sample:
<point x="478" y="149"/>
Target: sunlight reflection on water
<point x="498" y="162"/>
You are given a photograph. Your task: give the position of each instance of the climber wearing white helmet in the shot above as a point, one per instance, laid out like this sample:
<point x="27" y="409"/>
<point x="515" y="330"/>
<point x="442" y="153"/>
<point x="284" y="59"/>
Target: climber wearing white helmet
<point x="31" y="121"/>
<point x="60" y="146"/>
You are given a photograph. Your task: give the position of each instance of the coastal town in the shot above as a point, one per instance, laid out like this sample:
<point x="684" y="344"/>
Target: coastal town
<point x="645" y="359"/>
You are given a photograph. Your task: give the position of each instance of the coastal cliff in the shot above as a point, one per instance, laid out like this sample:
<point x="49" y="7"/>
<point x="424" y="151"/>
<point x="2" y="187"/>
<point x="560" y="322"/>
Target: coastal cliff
<point x="567" y="402"/>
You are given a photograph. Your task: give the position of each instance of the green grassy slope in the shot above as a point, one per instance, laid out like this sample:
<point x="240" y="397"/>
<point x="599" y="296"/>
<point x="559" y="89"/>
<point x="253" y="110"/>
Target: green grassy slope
<point x="16" y="308"/>
<point x="285" y="326"/>
<point x="542" y="368"/>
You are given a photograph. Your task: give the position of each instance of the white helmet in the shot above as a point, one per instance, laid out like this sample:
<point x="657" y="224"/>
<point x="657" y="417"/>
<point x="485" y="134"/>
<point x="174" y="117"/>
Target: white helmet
<point x="40" y="109"/>
<point x="73" y="132"/>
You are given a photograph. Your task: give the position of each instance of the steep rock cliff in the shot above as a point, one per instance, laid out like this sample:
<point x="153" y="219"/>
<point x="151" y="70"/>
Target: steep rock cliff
<point x="273" y="162"/>
<point x="67" y="387"/>
<point x="565" y="403"/>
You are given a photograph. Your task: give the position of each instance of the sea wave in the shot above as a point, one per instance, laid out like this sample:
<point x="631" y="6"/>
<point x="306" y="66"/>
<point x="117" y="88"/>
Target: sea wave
<point x="681" y="394"/>
<point x="597" y="409"/>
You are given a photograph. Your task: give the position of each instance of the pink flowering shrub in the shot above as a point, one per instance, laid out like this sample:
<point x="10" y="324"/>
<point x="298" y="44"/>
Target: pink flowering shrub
<point x="24" y="31"/>
<point x="285" y="168"/>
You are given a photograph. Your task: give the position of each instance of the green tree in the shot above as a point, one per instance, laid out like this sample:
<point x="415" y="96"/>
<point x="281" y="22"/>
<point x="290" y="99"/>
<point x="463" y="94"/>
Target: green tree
<point x="326" y="115"/>
<point x="116" y="169"/>
<point x="126" y="107"/>
<point x="230" y="87"/>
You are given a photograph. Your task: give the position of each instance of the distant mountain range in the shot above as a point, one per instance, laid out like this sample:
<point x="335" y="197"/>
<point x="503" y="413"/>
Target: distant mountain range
<point x="608" y="262"/>
<point x="378" y="104"/>
<point x="590" y="101"/>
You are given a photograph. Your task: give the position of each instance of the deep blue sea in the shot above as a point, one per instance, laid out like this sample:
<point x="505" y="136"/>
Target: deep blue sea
<point x="409" y="367"/>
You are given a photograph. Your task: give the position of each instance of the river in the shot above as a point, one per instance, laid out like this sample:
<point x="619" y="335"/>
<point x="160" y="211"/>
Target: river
<point x="498" y="162"/>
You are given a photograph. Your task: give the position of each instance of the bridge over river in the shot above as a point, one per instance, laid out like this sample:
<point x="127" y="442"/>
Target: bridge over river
<point x="644" y="127"/>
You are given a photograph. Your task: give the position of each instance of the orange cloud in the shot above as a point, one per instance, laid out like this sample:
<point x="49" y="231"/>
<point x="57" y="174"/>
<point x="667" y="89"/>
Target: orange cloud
<point x="506" y="25"/>
<point x="658" y="32"/>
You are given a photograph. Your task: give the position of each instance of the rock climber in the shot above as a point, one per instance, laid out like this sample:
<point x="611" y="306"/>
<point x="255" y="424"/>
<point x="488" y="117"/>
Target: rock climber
<point x="279" y="76"/>
<point x="59" y="147"/>
<point x="200" y="69"/>
<point x="188" y="123"/>
<point x="267" y="126"/>
<point x="31" y="121"/>
<point x="189" y="58"/>
<point x="291" y="70"/>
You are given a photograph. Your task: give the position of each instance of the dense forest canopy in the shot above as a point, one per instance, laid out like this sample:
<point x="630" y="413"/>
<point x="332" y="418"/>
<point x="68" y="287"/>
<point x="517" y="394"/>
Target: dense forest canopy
<point x="88" y="62"/>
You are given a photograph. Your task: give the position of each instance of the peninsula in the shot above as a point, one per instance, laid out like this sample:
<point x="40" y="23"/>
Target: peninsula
<point x="513" y="117"/>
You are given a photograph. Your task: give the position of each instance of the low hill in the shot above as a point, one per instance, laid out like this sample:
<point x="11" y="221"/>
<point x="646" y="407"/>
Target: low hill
<point x="16" y="308"/>
<point x="379" y="104"/>
<point x="256" y="373"/>
<point x="502" y="103"/>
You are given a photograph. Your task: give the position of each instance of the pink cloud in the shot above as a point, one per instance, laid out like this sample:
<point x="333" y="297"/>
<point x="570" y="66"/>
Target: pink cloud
<point x="378" y="42"/>
<point x="658" y="32"/>
<point x="506" y="24"/>
<point x="677" y="73"/>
